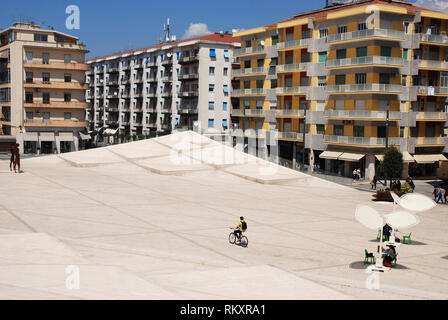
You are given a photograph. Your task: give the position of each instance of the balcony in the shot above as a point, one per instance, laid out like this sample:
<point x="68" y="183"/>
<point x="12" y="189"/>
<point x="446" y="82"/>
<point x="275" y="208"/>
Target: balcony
<point x="292" y="90"/>
<point x="167" y="78"/>
<point x="237" y="112"/>
<point x="166" y="126"/>
<point x="362" y="61"/>
<point x="362" y="115"/>
<point x="151" y="94"/>
<point x="57" y="105"/>
<point x="433" y="38"/>
<point x="430" y="141"/>
<point x="187" y="60"/>
<point x="254" y="112"/>
<point x="290" y="113"/>
<point x="57" y="85"/>
<point x="192" y="76"/>
<point x="365" y="88"/>
<point x="293" y="67"/>
<point x="112" y="69"/>
<point x="295" y="136"/>
<point x="125" y="95"/>
<point x="138" y="95"/>
<point x="112" y="83"/>
<point x="250" y="72"/>
<point x="249" y="51"/>
<point x="431" y="116"/>
<point x="248" y="133"/>
<point x="432" y="91"/>
<point x="167" y="62"/>
<point x="56" y="123"/>
<point x="112" y="96"/>
<point x="58" y="66"/>
<point x="152" y="79"/>
<point x="167" y="93"/>
<point x="188" y="94"/>
<point x="433" y="65"/>
<point x="386" y="34"/>
<point x="125" y="81"/>
<point x="249" y="92"/>
<point x="293" y="44"/>
<point x="126" y="68"/>
<point x="361" y="141"/>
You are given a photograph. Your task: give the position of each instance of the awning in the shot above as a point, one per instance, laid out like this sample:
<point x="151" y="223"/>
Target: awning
<point x="65" y="136"/>
<point x="429" y="158"/>
<point x="406" y="157"/>
<point x="30" y="136"/>
<point x="46" y="136"/>
<point x="84" y="136"/>
<point x="110" y="131"/>
<point x="354" y="157"/>
<point x="330" y="155"/>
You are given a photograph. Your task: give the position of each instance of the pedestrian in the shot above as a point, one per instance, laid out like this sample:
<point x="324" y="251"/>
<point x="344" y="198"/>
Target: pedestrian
<point x="354" y="174"/>
<point x="411" y="183"/>
<point x="17" y="157"/>
<point x="358" y="173"/>
<point x="11" y="161"/>
<point x="374" y="182"/>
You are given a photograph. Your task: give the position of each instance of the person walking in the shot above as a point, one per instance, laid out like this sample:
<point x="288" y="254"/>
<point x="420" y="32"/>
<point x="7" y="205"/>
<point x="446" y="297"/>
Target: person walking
<point x="11" y="161"/>
<point x="411" y="183"/>
<point x="16" y="157"/>
<point x="374" y="182"/>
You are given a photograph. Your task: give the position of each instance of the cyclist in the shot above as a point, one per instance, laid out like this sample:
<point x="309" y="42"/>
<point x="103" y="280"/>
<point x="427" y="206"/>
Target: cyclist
<point x="242" y="226"/>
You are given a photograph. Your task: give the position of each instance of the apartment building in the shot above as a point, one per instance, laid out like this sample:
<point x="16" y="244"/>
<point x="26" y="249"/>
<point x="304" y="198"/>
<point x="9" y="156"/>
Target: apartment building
<point x="175" y="85"/>
<point x="342" y="82"/>
<point x="42" y="90"/>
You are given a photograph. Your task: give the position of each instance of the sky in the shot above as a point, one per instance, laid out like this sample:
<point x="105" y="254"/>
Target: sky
<point x="109" y="26"/>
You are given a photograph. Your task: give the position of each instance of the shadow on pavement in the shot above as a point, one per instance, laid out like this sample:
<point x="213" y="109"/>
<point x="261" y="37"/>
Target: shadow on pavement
<point x="358" y="265"/>
<point x="445" y="257"/>
<point x="413" y="243"/>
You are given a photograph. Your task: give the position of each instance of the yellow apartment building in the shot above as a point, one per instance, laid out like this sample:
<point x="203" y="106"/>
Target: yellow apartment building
<point x="344" y="81"/>
<point x="42" y="89"/>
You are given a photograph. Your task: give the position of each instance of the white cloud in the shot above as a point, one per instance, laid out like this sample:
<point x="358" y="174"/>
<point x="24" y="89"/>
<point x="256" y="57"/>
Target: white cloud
<point x="439" y="5"/>
<point x="196" y="30"/>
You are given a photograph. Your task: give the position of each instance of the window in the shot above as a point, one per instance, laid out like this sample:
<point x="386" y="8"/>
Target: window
<point x="29" y="97"/>
<point x="225" y="71"/>
<point x="224" y="106"/>
<point x="404" y="80"/>
<point x="211" y="71"/>
<point x="386" y="51"/>
<point x="406" y="27"/>
<point x="211" y="87"/>
<point x="340" y="79"/>
<point x="274" y="40"/>
<point x="212" y="53"/>
<point x="46" y="77"/>
<point x="320" y="128"/>
<point x="211" y="123"/>
<point x="405" y="54"/>
<point x="46" y="97"/>
<point x="248" y="44"/>
<point x="361" y="52"/>
<point x="342" y="29"/>
<point x="67" y="77"/>
<point x="384" y="78"/>
<point x="247" y="84"/>
<point x="29" y="77"/>
<point x="381" y="132"/>
<point x="67" y="97"/>
<point x="46" y="116"/>
<point x="341" y="53"/>
<point x="338" y="130"/>
<point x="322" y="81"/>
<point x="211" y="105"/>
<point x="29" y="57"/>
<point x="323" y="33"/>
<point x="224" y="123"/>
<point x="40" y="37"/>
<point x="226" y="55"/>
<point x="358" y="131"/>
<point x="247" y="64"/>
<point x="29" y="116"/>
<point x="362" y="26"/>
<point x="67" y="115"/>
<point x="45" y="58"/>
<point x="401" y="132"/>
<point x="67" y="58"/>
<point x="322" y="56"/>
<point x="260" y="63"/>
<point x="306" y="34"/>
<point x="225" y="89"/>
<point x="360" y="78"/>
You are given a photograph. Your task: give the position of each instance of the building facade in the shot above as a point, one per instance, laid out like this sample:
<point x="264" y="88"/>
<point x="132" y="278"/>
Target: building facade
<point x="342" y="82"/>
<point x="171" y="86"/>
<point x="42" y="89"/>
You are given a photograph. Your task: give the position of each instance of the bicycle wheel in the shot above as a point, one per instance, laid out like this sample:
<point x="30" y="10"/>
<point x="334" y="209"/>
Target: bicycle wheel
<point x="232" y="238"/>
<point x="244" y="241"/>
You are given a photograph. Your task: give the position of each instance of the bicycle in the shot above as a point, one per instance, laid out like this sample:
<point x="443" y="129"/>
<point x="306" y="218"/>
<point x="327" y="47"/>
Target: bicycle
<point x="243" y="241"/>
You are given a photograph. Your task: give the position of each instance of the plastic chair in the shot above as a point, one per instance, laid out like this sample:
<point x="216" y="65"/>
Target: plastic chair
<point x="368" y="256"/>
<point x="407" y="239"/>
<point x="394" y="263"/>
<point x="378" y="236"/>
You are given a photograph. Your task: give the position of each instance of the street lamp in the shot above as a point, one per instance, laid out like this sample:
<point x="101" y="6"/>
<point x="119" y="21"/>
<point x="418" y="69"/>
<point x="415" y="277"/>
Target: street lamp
<point x="304" y="136"/>
<point x="387" y="137"/>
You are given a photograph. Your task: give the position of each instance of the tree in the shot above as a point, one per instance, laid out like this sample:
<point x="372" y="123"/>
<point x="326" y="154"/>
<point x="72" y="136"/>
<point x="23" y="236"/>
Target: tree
<point x="392" y="164"/>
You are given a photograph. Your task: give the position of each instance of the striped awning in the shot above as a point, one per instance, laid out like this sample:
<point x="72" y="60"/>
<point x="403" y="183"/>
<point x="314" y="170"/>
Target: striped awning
<point x="331" y="155"/>
<point x="429" y="158"/>
<point x="84" y="136"/>
<point x="406" y="157"/>
<point x="353" y="157"/>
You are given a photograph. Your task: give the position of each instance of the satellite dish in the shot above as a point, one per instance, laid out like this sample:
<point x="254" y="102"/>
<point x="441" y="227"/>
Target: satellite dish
<point x="369" y="217"/>
<point x="169" y="55"/>
<point x="402" y="219"/>
<point x="416" y="202"/>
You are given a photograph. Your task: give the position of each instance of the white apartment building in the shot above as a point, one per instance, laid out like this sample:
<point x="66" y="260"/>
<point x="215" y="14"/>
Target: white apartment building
<point x="171" y="86"/>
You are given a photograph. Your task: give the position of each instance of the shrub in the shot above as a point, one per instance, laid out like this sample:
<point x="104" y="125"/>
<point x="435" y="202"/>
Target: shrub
<point x="406" y="188"/>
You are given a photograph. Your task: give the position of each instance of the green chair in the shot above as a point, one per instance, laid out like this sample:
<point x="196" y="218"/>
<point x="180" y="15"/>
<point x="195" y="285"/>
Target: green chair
<point x="394" y="263"/>
<point x="378" y="236"/>
<point x="407" y="239"/>
<point x="368" y="256"/>
<point x="385" y="237"/>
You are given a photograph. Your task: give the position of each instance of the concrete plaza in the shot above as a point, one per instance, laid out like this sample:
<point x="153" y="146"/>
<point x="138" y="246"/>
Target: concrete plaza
<point x="150" y="220"/>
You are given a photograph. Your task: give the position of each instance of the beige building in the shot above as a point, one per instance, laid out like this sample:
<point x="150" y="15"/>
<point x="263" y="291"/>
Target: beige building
<point x="42" y="89"/>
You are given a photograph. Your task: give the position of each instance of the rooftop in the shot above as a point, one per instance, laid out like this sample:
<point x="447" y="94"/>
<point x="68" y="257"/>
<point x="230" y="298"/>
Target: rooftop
<point x="150" y="220"/>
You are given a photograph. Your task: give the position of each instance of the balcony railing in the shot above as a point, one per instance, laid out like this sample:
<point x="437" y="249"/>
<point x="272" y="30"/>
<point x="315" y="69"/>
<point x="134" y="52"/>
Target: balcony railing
<point x="433" y="64"/>
<point x="430" y="141"/>
<point x="249" y="50"/>
<point x="290" y="136"/>
<point x="254" y="112"/>
<point x="372" y="142"/>
<point x="293" y="90"/>
<point x="371" y="87"/>
<point x="381" y="33"/>
<point x="361" y="114"/>
<point x="186" y="94"/>
<point x="290" y="113"/>
<point x="292" y="67"/>
<point x="431" y="116"/>
<point x="189" y="76"/>
<point x="249" y="71"/>
<point x="293" y="44"/>
<point x="432" y="90"/>
<point x="237" y="112"/>
<point x="243" y="92"/>
<point x="442" y="39"/>
<point x="376" y="60"/>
